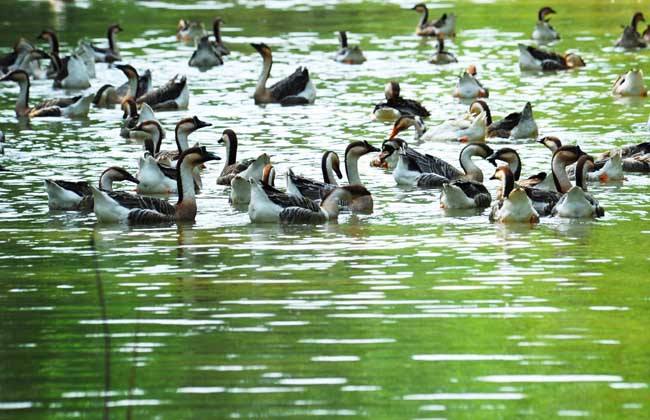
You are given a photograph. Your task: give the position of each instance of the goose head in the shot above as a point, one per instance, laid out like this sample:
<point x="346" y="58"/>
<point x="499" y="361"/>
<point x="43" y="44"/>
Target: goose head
<point x="389" y="152"/>
<point x="359" y="148"/>
<point x="115" y="173"/>
<point x="263" y="49"/>
<point x="189" y="125"/>
<point x="638" y="17"/>
<point x="47" y="35"/>
<point x="551" y="142"/>
<point x="152" y="128"/>
<point x="18" y="76"/>
<point x="196" y="156"/>
<point x="508" y="155"/>
<point x="479" y="106"/>
<point x="543" y="12"/>
<point x="115" y="28"/>
<point x="420" y="8"/>
<point x="573" y="60"/>
<point x="584" y="165"/>
<point x="129" y="71"/>
<point x="228" y="137"/>
<point x="332" y="159"/>
<point x="404" y="122"/>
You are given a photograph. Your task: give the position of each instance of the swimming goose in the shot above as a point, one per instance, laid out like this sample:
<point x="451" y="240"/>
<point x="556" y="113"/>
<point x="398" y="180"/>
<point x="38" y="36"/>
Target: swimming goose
<point x="543" y="31"/>
<point x="446" y="131"/>
<point x="445" y="26"/>
<point x="85" y="52"/>
<point x="464" y="194"/>
<point x="218" y="43"/>
<point x="9" y="60"/>
<point x="134" y="209"/>
<point x="77" y="195"/>
<point x="441" y="56"/>
<point x="427" y="173"/>
<point x="630" y="38"/>
<point x="53" y="40"/>
<point x="396" y="106"/>
<point x="232" y="167"/>
<point x="296" y="89"/>
<point x="577" y="203"/>
<point x="187" y="31"/>
<point x="511" y="157"/>
<point x="205" y="56"/>
<point x="108" y="95"/>
<point x="268" y="205"/>
<point x="70" y="73"/>
<point x="240" y="188"/>
<point x="112" y="53"/>
<point x="630" y="84"/>
<point x="353" y="152"/>
<point x="517" y="125"/>
<point x="347" y="54"/>
<point x="132" y="118"/>
<point x="173" y="95"/>
<point x="515" y="207"/>
<point x="29" y="62"/>
<point x="468" y="86"/>
<point x="77" y="106"/>
<point x="531" y="58"/>
<point x="153" y="176"/>
<point x="315" y="190"/>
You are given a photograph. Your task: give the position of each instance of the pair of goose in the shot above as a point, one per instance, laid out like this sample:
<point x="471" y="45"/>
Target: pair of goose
<point x="209" y="53"/>
<point x="444" y="26"/>
<point x="173" y="95"/>
<point x="473" y="127"/>
<point x="631" y="38"/>
<point x="70" y="72"/>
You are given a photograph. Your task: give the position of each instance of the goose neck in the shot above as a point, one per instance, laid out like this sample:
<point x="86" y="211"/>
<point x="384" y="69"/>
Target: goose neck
<point x="267" y="63"/>
<point x="560" y="177"/>
<point x="330" y="206"/>
<point x="22" y="103"/>
<point x="352" y="168"/>
<point x="328" y="170"/>
<point x="472" y="171"/>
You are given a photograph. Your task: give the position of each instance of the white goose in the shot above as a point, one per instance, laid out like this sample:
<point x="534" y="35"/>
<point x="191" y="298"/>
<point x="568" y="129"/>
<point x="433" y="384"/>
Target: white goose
<point x="240" y="188"/>
<point x="450" y="130"/>
<point x="577" y="203"/>
<point x="515" y="206"/>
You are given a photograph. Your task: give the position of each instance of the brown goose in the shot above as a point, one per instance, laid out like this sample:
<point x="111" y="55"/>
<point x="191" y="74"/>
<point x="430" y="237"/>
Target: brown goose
<point x="397" y="106"/>
<point x="445" y="26"/>
<point x="134" y="209"/>
<point x="77" y="106"/>
<point x="171" y="96"/>
<point x="296" y="89"/>
<point x="232" y="167"/>
<point x="218" y="43"/>
<point x="108" y="95"/>
<point x="630" y="38"/>
<point x="112" y="53"/>
<point x="313" y="189"/>
<point x="511" y="157"/>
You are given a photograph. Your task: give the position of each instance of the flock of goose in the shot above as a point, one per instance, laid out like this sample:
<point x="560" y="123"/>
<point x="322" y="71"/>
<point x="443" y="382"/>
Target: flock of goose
<point x="252" y="181"/>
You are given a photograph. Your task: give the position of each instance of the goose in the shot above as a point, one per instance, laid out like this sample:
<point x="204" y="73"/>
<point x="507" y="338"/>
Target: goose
<point x="468" y="86"/>
<point x="447" y="131"/>
<point x="131" y="118"/>
<point x="531" y="58"/>
<point x="85" y="52"/>
<point x="134" y="209"/>
<point x="205" y="56"/>
<point x="577" y="203"/>
<point x="296" y="89"/>
<point x="268" y="205"/>
<point x="9" y="60"/>
<point x="77" y="106"/>
<point x="464" y="194"/>
<point x="543" y="31"/>
<point x="630" y="38"/>
<point x="396" y="106"/>
<point x="218" y="43"/>
<point x="154" y="177"/>
<point x="511" y="157"/>
<point x="630" y="84"/>
<point x="240" y="188"/>
<point x="173" y="95"/>
<point x="515" y="206"/>
<point x="306" y="187"/>
<point x="348" y="54"/>
<point x="441" y="56"/>
<point x="445" y="26"/>
<point x="112" y="53"/>
<point x="71" y="73"/>
<point x="517" y="125"/>
<point x="611" y="170"/>
<point x="232" y="167"/>
<point x="29" y="62"/>
<point x="108" y="95"/>
<point x="77" y="195"/>
<point x="152" y="129"/>
<point x="52" y="39"/>
<point x="411" y="171"/>
<point x="187" y="31"/>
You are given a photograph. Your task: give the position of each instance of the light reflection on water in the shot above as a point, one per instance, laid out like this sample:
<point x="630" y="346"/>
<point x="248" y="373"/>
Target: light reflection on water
<point x="408" y="305"/>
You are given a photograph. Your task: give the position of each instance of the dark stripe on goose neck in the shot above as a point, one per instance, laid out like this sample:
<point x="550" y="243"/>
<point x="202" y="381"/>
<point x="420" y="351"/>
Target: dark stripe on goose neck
<point x="343" y="38"/>
<point x="215" y="30"/>
<point x="508" y="181"/>
<point x="178" y="126"/>
<point x="53" y="41"/>
<point x="580" y="171"/>
<point x="323" y="167"/>
<point x="231" y="144"/>
<point x="110" y="34"/>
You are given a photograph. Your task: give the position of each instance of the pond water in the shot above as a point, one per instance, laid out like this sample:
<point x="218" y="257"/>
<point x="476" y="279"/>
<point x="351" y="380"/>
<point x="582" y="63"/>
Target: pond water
<point x="405" y="313"/>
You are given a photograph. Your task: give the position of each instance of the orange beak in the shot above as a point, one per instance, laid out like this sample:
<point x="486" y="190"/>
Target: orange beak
<point x="603" y="178"/>
<point x="463" y="139"/>
<point x="482" y="94"/>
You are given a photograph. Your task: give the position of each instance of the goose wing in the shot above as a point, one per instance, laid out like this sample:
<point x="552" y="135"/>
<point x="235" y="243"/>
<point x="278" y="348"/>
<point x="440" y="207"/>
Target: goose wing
<point x="230" y="171"/>
<point x="143" y="86"/>
<point x="542" y="55"/>
<point x="52" y="111"/>
<point x="148" y="217"/>
<point x="543" y="200"/>
<point x="291" y="85"/>
<point x="432" y="164"/>
<point x="440" y="22"/>
<point x="80" y="188"/>
<point x="506" y="124"/>
<point x="310" y="188"/>
<point x="299" y="215"/>
<point x="167" y="92"/>
<point x="285" y="200"/>
<point x="409" y="106"/>
<point x="476" y="191"/>
<point x="58" y="102"/>
<point x="431" y="181"/>
<point x="133" y="201"/>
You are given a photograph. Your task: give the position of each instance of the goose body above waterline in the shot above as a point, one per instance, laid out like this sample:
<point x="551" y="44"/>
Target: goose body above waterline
<point x="71" y="73"/>
<point x="441" y="56"/>
<point x="445" y="25"/>
<point x="543" y="31"/>
<point x="77" y="195"/>
<point x="515" y="206"/>
<point x="531" y="58"/>
<point x="411" y="171"/>
<point x="517" y="125"/>
<point x="112" y="53"/>
<point x="577" y="203"/>
<point x="348" y="54"/>
<point x="389" y="157"/>
<point x="173" y="95"/>
<point x="205" y="56"/>
<point x="77" y="106"/>
<point x="397" y="106"/>
<point x="108" y="95"/>
<point x="240" y="187"/>
<point x="296" y="89"/>
<point x="464" y="194"/>
<point x="630" y="38"/>
<point x="132" y="118"/>
<point x="446" y="131"/>
<point x="630" y="84"/>
<point x="468" y="86"/>
<point x="268" y="205"/>
<point x="232" y="167"/>
<point x="306" y="187"/>
<point x="511" y="157"/>
<point x="146" y="210"/>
